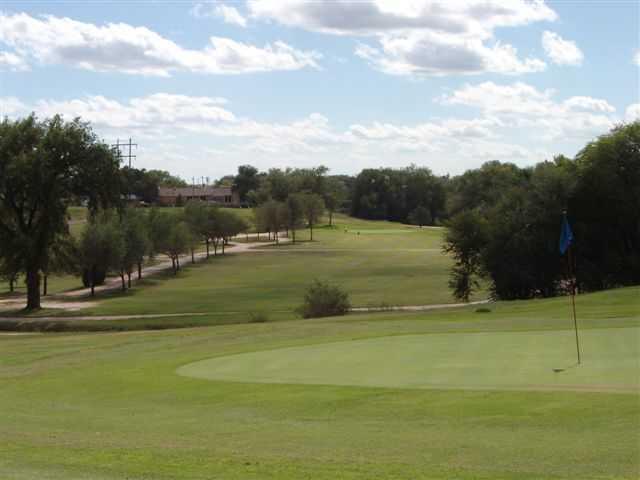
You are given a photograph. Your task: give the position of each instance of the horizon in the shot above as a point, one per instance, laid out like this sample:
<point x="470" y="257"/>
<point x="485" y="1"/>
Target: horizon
<point x="203" y="87"/>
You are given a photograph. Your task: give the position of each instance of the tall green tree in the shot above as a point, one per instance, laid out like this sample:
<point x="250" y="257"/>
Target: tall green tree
<point x="465" y="239"/>
<point x="605" y="208"/>
<point x="245" y="181"/>
<point x="43" y="166"/>
<point x="312" y="208"/>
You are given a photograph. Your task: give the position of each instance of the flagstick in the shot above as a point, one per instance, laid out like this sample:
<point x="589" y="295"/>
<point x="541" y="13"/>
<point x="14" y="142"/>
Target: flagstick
<point x="573" y="300"/>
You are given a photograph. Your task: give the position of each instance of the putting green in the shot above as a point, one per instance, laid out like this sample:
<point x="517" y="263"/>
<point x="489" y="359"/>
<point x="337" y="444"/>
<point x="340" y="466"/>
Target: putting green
<point x="488" y="360"/>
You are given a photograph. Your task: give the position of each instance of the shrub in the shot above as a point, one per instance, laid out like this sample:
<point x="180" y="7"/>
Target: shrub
<point x="324" y="300"/>
<point x="258" y="317"/>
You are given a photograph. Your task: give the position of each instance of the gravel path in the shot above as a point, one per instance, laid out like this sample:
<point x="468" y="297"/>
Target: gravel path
<point x="397" y="308"/>
<point x="64" y="300"/>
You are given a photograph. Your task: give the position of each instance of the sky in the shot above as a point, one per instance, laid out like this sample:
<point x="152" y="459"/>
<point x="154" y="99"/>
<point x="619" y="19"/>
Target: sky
<point x="203" y="87"/>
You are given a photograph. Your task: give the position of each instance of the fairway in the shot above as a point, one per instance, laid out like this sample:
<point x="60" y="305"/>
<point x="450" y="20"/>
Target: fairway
<point x="496" y="360"/>
<point x="386" y="264"/>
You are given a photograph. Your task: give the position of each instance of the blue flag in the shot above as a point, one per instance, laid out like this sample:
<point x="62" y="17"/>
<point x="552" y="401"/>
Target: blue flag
<point x="566" y="236"/>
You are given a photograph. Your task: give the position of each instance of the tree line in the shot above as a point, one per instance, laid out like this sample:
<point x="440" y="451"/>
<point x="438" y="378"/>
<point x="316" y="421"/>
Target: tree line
<point x="503" y="220"/>
<point x="504" y="224"/>
<point x="119" y="241"/>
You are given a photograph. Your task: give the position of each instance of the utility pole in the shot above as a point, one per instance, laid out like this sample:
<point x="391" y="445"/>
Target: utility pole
<point x="118" y="150"/>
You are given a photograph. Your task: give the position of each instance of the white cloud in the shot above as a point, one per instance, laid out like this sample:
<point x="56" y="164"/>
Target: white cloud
<point x="11" y="61"/>
<point x="636" y="58"/>
<point x="430" y="131"/>
<point x="632" y="112"/>
<point x="436" y="54"/>
<point x="11" y="107"/>
<point x="520" y="105"/>
<point x="137" y="50"/>
<point x="370" y="17"/>
<point x="144" y="115"/>
<point x="561" y="51"/>
<point x="219" y="10"/>
<point x="203" y="135"/>
<point x="588" y="103"/>
<point x="419" y="37"/>
<point x="231" y="15"/>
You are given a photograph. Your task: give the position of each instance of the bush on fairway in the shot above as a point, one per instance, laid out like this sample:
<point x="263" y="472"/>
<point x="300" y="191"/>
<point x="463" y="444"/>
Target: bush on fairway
<point x="258" y="317"/>
<point x="324" y="300"/>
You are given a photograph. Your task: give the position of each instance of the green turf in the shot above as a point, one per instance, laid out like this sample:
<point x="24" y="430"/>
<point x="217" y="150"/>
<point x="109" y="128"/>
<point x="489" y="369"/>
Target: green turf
<point x="449" y="360"/>
<point x="403" y="267"/>
<point x="113" y="405"/>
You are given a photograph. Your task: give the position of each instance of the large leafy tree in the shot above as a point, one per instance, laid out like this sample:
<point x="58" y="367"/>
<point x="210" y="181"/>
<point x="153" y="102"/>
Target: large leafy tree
<point x="245" y="181"/>
<point x="44" y="164"/>
<point x="606" y="210"/>
<point x="392" y="194"/>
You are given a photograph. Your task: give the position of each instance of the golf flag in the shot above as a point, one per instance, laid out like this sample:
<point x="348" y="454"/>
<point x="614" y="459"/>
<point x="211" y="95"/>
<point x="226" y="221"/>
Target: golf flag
<point x="566" y="239"/>
<point x="566" y="236"/>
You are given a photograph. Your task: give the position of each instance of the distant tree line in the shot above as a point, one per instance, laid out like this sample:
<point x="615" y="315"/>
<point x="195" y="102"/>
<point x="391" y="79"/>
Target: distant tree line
<point x="412" y="195"/>
<point x="505" y="221"/>
<point x="118" y="241"/>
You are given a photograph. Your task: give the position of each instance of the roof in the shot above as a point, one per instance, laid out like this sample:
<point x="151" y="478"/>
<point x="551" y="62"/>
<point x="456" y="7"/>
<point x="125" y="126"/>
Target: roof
<point x="197" y="191"/>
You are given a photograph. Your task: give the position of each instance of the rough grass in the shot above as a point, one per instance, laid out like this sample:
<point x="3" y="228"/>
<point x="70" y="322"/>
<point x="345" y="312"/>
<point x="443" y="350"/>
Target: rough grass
<point x="112" y="405"/>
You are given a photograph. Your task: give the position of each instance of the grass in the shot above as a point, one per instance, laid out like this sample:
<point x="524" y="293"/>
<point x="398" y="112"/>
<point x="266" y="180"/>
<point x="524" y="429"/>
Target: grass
<point x="447" y="360"/>
<point x="118" y="405"/>
<point x="402" y="267"/>
<point x="78" y="217"/>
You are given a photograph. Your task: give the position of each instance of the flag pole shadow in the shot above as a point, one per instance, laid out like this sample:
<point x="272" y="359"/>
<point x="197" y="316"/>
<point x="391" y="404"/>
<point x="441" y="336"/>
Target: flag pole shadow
<point x="560" y="370"/>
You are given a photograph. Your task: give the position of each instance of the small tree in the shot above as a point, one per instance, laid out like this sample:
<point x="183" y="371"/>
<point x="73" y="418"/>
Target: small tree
<point x="137" y="244"/>
<point x="196" y="214"/>
<point x="335" y="195"/>
<point x="465" y="239"/>
<point x="170" y="237"/>
<point x="102" y="248"/>
<point x="295" y="213"/>
<point x="10" y="271"/>
<point x="268" y="216"/>
<point x="227" y="225"/>
<point x="324" y="300"/>
<point x="259" y="220"/>
<point x="313" y="208"/>
<point x="193" y="239"/>
<point x="420" y="216"/>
